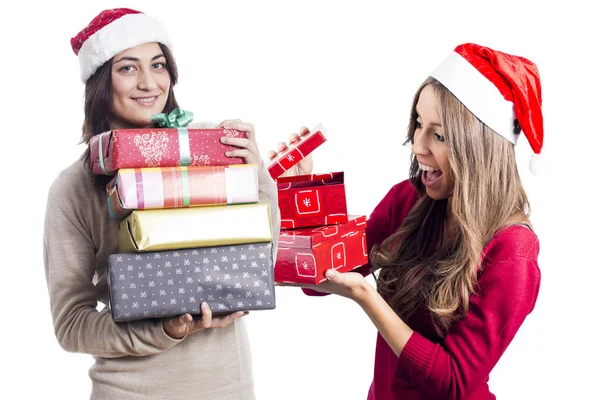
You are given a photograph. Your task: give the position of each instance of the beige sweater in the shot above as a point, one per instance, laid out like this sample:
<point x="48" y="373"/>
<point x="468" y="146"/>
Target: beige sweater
<point x="134" y="360"/>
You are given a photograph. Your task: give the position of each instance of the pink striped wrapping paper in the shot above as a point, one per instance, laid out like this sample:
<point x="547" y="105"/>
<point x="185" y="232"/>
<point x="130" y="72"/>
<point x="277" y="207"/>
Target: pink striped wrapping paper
<point x="181" y="187"/>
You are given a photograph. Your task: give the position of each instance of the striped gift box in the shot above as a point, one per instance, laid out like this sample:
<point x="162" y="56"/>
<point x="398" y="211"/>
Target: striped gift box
<point x="180" y="187"/>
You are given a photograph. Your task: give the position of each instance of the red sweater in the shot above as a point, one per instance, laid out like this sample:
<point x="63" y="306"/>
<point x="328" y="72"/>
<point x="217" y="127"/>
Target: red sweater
<point x="457" y="366"/>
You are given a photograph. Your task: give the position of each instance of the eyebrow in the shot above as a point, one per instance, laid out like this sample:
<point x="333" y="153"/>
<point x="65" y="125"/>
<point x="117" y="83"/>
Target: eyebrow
<point x="433" y="123"/>
<point x="137" y="59"/>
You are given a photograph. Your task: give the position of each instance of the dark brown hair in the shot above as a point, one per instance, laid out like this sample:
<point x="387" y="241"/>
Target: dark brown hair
<point x="98" y="97"/>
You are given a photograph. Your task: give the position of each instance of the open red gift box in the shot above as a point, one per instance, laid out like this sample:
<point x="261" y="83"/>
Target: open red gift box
<point x="312" y="200"/>
<point x="303" y="255"/>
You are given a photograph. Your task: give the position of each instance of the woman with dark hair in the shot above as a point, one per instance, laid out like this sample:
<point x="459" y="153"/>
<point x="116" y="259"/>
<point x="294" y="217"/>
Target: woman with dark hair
<point x="99" y="93"/>
<point x="129" y="74"/>
<point x="455" y="251"/>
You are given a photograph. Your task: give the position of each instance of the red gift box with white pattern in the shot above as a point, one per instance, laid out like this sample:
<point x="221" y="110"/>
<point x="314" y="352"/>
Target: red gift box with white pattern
<point x="312" y="200"/>
<point x="161" y="147"/>
<point x="297" y="151"/>
<point x="303" y="255"/>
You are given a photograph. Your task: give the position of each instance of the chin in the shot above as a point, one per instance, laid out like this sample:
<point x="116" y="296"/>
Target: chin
<point x="145" y="119"/>
<point x="437" y="194"/>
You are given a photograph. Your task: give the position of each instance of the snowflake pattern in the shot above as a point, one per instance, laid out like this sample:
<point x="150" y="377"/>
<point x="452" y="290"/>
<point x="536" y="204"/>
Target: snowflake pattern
<point x="231" y="278"/>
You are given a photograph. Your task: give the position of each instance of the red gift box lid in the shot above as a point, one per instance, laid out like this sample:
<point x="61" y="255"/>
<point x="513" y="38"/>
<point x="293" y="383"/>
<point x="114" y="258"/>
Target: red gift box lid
<point x="311" y="237"/>
<point x="312" y="180"/>
<point x="296" y="152"/>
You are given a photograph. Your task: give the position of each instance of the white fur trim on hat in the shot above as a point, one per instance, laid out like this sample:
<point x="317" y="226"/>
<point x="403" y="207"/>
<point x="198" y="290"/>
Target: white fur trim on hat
<point x="129" y="31"/>
<point x="478" y="94"/>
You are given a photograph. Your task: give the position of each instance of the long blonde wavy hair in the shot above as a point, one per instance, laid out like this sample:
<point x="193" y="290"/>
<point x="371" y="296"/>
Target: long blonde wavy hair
<point x="432" y="261"/>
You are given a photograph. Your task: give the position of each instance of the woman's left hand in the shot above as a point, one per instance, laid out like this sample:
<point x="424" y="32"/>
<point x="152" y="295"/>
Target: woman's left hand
<point x="248" y="149"/>
<point x="304" y="166"/>
<point x="351" y="285"/>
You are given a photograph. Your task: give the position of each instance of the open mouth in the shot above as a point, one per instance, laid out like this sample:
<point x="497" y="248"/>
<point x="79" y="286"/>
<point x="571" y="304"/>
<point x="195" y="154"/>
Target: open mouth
<point x="430" y="176"/>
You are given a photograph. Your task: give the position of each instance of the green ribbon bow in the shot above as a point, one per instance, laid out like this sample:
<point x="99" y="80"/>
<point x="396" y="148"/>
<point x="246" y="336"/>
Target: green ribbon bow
<point x="177" y="118"/>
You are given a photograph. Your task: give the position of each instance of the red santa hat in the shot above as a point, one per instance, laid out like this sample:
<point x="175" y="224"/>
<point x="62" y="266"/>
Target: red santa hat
<point x="114" y="31"/>
<point x="500" y="89"/>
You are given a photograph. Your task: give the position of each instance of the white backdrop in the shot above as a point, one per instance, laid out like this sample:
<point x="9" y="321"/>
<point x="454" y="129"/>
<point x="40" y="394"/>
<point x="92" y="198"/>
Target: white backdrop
<point x="354" y="67"/>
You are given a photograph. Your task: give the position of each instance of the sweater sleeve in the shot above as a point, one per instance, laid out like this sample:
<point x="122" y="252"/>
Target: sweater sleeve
<point x="267" y="193"/>
<point x="507" y="291"/>
<point x="379" y="222"/>
<point x="70" y="267"/>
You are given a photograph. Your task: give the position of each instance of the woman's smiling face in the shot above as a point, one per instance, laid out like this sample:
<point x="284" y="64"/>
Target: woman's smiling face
<point x="140" y="85"/>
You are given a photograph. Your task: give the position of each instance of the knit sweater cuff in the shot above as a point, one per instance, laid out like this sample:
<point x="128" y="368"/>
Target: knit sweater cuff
<point x="264" y="177"/>
<point x="416" y="358"/>
<point x="167" y="341"/>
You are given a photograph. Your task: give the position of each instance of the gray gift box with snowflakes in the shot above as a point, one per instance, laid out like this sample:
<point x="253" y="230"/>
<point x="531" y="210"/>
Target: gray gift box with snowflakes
<point x="175" y="282"/>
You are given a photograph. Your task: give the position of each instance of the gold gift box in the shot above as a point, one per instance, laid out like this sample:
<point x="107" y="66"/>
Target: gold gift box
<point x="181" y="228"/>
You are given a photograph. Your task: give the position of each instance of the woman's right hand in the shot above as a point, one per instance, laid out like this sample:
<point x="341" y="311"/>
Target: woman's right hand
<point x="183" y="325"/>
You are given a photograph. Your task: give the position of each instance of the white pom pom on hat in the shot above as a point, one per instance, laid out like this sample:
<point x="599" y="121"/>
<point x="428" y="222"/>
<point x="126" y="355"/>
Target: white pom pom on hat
<point x="111" y="32"/>
<point x="538" y="164"/>
<point x="500" y="89"/>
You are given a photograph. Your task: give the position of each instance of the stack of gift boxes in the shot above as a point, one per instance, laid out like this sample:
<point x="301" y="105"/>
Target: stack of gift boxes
<point x="191" y="229"/>
<point x="316" y="232"/>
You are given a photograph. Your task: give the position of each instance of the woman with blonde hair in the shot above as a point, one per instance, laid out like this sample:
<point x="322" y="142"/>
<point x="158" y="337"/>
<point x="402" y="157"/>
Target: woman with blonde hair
<point x="453" y="245"/>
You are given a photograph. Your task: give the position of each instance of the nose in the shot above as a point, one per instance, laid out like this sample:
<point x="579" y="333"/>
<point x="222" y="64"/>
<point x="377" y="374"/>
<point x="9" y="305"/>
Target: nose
<point x="147" y="81"/>
<point x="420" y="146"/>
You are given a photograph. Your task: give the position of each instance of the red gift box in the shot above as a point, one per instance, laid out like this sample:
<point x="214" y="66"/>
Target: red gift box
<point x="297" y="151"/>
<point x="303" y="255"/>
<point x="312" y="200"/>
<point x="160" y="147"/>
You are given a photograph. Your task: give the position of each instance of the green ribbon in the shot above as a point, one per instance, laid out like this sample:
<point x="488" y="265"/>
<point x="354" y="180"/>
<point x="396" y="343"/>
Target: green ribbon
<point x="177" y="118"/>
<point x="101" y="155"/>
<point x="185" y="187"/>
<point x="184" y="147"/>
